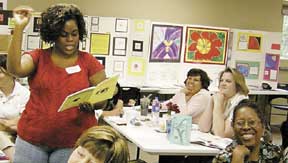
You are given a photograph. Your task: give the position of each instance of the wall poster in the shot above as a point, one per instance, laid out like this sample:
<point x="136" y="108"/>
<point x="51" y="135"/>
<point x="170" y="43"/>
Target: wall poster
<point x="206" y="45"/>
<point x="166" y="42"/>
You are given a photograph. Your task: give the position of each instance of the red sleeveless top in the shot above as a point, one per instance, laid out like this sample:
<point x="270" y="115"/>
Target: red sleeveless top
<point x="40" y="123"/>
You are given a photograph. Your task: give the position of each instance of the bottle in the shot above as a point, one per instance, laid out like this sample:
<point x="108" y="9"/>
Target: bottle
<point x="144" y="103"/>
<point x="155" y="111"/>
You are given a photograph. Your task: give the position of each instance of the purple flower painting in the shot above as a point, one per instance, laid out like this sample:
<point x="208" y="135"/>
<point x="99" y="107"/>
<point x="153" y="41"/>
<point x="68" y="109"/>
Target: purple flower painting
<point x="166" y="43"/>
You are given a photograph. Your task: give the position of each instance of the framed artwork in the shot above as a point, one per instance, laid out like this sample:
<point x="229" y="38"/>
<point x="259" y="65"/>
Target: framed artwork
<point x="139" y="25"/>
<point x="206" y="45"/>
<point x="36" y="24"/>
<point x="121" y="25"/>
<point x="271" y="67"/>
<point x="94" y="24"/>
<point x="137" y="46"/>
<point x="136" y="66"/>
<point x="3" y="4"/>
<point x="99" y="43"/>
<point x="101" y="60"/>
<point x="249" y="42"/>
<point x="119" y="46"/>
<point x="6" y="17"/>
<point x="166" y="42"/>
<point x="83" y="44"/>
<point x="249" y="69"/>
<point x="118" y="66"/>
<point x="33" y="42"/>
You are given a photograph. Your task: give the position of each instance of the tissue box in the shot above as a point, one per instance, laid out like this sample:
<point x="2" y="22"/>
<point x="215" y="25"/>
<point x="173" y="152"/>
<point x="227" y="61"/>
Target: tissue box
<point x="180" y="130"/>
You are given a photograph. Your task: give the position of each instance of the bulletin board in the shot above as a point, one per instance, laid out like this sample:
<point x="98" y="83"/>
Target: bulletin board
<point x="257" y="55"/>
<point x="146" y="53"/>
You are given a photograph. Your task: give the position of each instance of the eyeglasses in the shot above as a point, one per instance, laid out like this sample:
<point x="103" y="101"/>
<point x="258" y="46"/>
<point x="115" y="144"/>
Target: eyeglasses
<point x="250" y="123"/>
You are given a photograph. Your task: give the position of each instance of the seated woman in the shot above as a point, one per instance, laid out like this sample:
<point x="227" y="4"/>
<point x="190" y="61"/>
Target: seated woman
<point x="192" y="99"/>
<point x="101" y="144"/>
<point x="248" y="123"/>
<point x="13" y="97"/>
<point x="218" y="115"/>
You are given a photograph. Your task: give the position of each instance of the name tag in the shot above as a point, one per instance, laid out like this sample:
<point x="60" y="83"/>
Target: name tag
<point x="73" y="69"/>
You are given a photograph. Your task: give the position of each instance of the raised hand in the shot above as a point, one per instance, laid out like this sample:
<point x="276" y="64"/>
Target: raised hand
<point x="22" y="15"/>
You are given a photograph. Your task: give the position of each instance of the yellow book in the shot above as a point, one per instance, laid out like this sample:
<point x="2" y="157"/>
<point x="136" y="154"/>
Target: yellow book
<point x="101" y="92"/>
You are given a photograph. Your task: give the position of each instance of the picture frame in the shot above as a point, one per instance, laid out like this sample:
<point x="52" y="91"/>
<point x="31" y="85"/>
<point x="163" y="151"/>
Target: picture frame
<point x="33" y="42"/>
<point x="6" y="17"/>
<point x="102" y="60"/>
<point x="206" y="45"/>
<point x="3" y="4"/>
<point x="137" y="46"/>
<point x="36" y="24"/>
<point x="119" y="46"/>
<point x="121" y="25"/>
<point x="118" y="66"/>
<point x="100" y="43"/>
<point x="94" y="24"/>
<point x="166" y="43"/>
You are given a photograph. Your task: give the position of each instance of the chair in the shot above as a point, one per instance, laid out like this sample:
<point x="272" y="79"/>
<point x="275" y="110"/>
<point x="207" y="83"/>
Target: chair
<point x="280" y="103"/>
<point x="130" y="93"/>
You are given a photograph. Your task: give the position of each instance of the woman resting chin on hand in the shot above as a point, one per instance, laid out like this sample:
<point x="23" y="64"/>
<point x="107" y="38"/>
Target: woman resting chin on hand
<point x="218" y="115"/>
<point x="248" y="125"/>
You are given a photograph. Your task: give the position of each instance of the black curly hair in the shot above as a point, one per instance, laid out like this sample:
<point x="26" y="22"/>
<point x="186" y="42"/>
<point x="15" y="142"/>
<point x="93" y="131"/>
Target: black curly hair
<point x="54" y="18"/>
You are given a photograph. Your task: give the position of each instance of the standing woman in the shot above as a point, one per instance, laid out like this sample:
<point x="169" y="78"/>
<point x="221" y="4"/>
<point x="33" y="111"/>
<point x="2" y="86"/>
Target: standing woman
<point x="218" y="115"/>
<point x="45" y="135"/>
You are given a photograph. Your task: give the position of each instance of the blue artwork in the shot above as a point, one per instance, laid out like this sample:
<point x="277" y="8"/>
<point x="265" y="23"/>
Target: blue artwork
<point x="243" y="68"/>
<point x="180" y="130"/>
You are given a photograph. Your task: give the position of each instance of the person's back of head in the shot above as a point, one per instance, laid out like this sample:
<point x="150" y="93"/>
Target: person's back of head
<point x="104" y="143"/>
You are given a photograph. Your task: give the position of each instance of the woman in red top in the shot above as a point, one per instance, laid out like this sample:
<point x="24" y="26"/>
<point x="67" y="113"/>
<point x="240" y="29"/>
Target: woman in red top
<point x="45" y="135"/>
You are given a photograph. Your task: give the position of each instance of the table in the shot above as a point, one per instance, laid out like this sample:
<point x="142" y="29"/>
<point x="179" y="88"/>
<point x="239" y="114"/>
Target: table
<point x="260" y="96"/>
<point x="153" y="142"/>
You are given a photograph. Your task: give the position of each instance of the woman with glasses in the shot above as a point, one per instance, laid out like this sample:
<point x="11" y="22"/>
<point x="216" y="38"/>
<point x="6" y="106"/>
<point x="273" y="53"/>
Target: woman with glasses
<point x="13" y="98"/>
<point x="248" y="124"/>
<point x="218" y="115"/>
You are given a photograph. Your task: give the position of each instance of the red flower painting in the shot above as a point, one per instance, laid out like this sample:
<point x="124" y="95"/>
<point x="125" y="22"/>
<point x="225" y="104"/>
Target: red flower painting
<point x="206" y="45"/>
